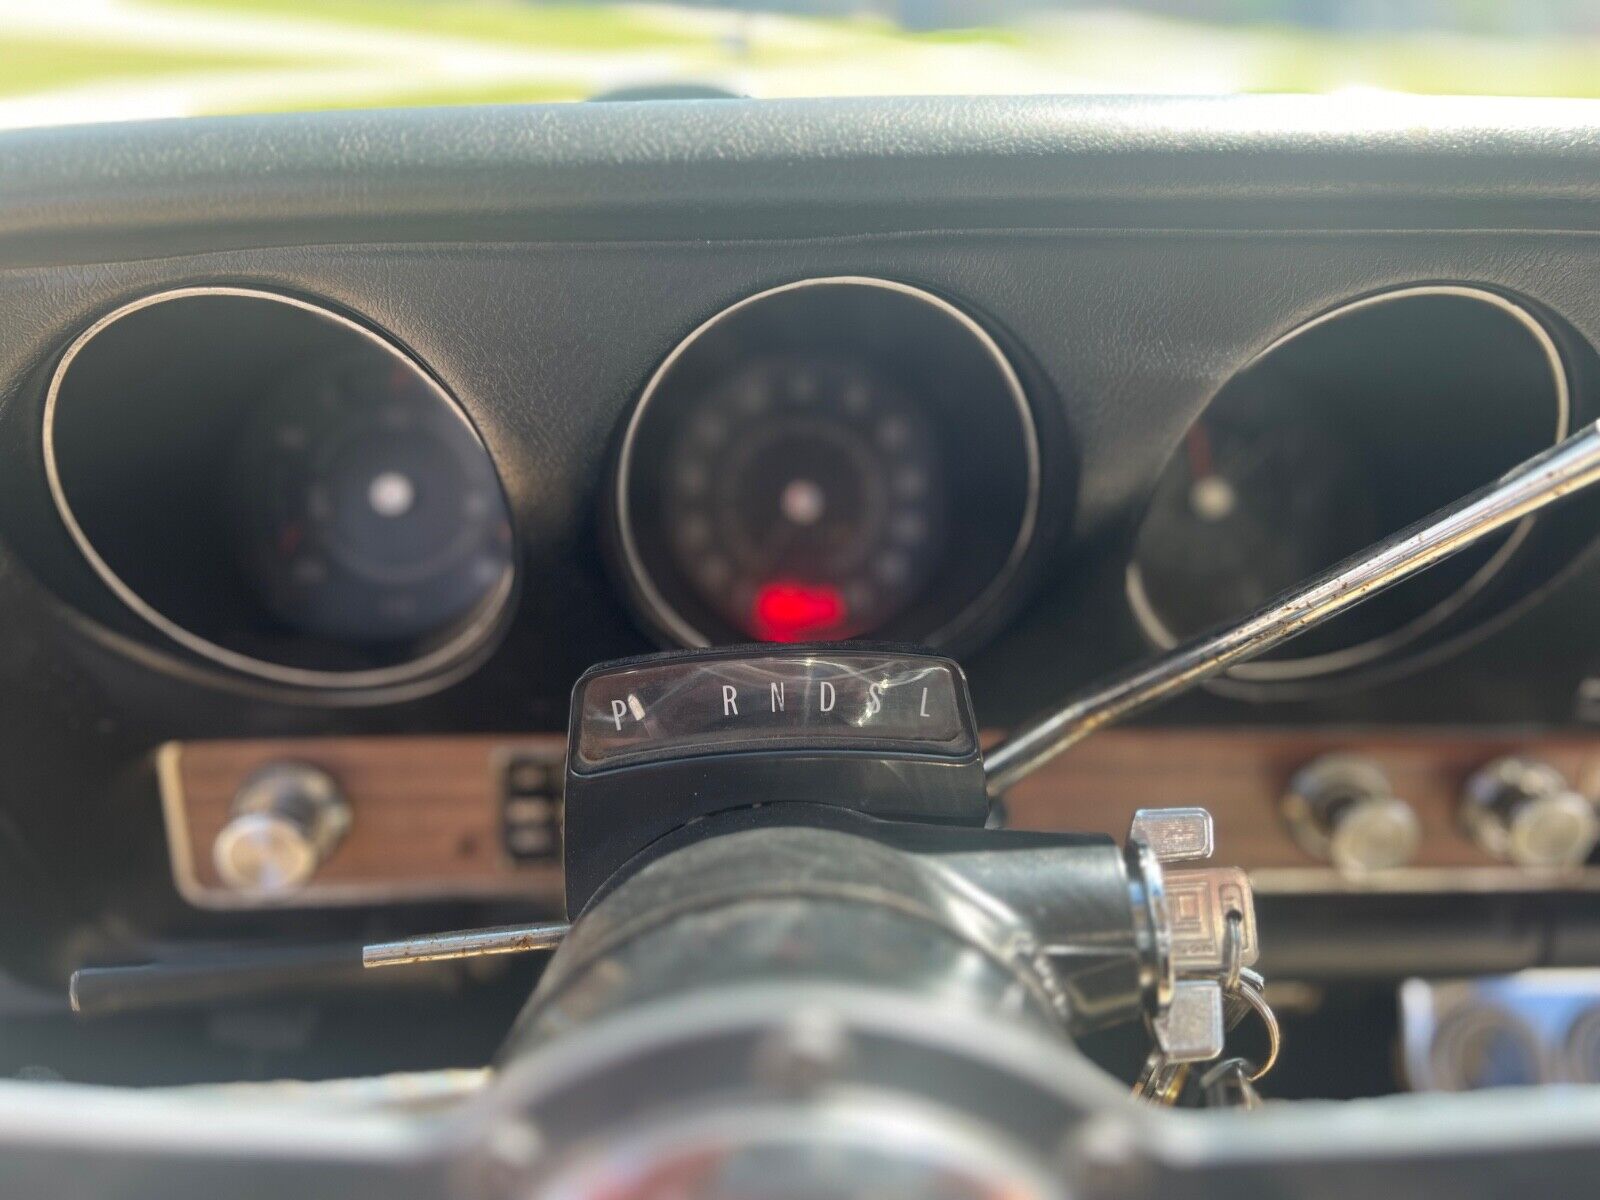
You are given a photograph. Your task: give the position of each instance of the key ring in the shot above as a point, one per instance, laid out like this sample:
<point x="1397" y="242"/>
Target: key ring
<point x="1232" y="951"/>
<point x="1250" y="990"/>
<point x="1214" y="1084"/>
<point x="1161" y="1083"/>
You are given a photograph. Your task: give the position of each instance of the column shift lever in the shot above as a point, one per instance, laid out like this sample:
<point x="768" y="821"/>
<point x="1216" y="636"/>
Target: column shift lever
<point x="1544" y="479"/>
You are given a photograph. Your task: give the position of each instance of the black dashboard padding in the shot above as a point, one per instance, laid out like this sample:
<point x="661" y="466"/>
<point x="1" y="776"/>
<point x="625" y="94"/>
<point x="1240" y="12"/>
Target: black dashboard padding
<point x="770" y="168"/>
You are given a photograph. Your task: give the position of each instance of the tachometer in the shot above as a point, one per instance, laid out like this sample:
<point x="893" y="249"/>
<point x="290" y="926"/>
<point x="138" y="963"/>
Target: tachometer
<point x="368" y="510"/>
<point x="280" y="490"/>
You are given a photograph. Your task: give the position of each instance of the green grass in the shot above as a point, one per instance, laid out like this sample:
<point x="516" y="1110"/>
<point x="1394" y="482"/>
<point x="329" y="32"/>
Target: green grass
<point x="532" y="92"/>
<point x="772" y="55"/>
<point x="515" y="22"/>
<point x="1288" y="60"/>
<point x="1010" y="39"/>
<point x="34" y="64"/>
<point x="1270" y="57"/>
<point x="865" y="29"/>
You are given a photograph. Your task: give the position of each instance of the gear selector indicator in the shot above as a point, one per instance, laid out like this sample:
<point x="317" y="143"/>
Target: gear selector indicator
<point x="833" y="699"/>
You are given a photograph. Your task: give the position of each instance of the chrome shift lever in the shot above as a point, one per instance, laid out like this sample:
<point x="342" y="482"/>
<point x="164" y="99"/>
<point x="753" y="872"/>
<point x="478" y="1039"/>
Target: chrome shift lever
<point x="465" y="943"/>
<point x="1543" y="480"/>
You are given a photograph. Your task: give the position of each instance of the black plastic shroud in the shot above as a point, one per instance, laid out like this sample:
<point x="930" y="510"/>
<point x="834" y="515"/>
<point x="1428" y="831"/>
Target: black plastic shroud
<point x="884" y="731"/>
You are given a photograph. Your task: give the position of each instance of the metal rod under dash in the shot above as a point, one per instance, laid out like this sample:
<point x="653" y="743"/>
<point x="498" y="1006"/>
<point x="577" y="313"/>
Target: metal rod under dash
<point x="466" y="943"/>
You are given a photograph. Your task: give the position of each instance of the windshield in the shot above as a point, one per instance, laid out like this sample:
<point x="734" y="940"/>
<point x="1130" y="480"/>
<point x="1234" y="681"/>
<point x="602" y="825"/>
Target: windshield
<point x="96" y="60"/>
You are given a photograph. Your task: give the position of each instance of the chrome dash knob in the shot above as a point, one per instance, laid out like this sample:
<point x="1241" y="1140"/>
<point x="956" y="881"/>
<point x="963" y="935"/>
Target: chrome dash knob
<point x="286" y="820"/>
<point x="1342" y="808"/>
<point x="1523" y="810"/>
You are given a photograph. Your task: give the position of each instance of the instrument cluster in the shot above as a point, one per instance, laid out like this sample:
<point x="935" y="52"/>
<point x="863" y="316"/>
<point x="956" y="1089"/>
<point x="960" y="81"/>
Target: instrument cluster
<point x="285" y="493"/>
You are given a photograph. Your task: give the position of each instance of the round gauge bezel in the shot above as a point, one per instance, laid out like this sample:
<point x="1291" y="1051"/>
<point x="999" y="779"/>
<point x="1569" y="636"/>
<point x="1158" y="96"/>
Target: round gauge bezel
<point x="1290" y="670"/>
<point x="468" y="635"/>
<point x="677" y="627"/>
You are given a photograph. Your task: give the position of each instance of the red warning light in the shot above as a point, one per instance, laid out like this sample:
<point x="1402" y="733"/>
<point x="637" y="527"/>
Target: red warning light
<point x="791" y="612"/>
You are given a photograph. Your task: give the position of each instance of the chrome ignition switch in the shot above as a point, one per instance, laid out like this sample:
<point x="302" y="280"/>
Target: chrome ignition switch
<point x="1201" y="926"/>
<point x="1202" y="944"/>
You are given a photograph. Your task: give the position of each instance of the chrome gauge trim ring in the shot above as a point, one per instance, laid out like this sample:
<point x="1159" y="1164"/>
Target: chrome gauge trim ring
<point x="661" y="613"/>
<point x="491" y="611"/>
<point x="1288" y="670"/>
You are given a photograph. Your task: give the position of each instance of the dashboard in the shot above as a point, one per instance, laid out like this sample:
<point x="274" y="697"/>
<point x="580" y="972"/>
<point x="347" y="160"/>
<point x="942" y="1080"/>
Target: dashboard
<point x="323" y="495"/>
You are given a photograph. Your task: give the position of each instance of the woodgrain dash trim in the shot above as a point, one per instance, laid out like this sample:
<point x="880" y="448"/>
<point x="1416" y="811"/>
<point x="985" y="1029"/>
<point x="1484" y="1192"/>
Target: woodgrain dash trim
<point x="426" y="817"/>
<point x="427" y="809"/>
<point x="1241" y="776"/>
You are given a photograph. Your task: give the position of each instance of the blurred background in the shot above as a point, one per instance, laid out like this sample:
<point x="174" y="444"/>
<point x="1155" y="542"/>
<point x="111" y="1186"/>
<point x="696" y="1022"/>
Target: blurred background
<point x="98" y="60"/>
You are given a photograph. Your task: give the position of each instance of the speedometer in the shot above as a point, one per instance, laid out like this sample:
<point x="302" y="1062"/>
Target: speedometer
<point x="805" y="499"/>
<point x="830" y="459"/>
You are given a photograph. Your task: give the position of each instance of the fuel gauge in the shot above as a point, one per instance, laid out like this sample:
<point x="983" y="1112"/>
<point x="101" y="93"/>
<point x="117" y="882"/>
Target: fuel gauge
<point x="1246" y="511"/>
<point x="1354" y="425"/>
